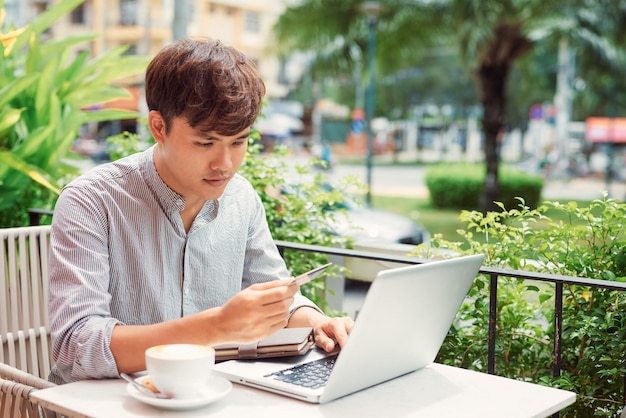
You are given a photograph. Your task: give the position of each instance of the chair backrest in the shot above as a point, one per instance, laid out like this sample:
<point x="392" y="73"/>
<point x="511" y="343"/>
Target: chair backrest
<point x="24" y="325"/>
<point x="14" y="400"/>
<point x="15" y="389"/>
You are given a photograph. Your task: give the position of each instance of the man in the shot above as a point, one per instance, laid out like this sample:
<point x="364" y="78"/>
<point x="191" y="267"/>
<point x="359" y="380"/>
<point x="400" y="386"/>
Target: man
<point x="171" y="245"/>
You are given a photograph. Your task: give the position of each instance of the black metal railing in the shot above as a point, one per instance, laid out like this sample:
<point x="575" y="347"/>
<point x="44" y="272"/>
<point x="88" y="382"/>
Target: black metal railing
<point x="35" y="215"/>
<point x="494" y="275"/>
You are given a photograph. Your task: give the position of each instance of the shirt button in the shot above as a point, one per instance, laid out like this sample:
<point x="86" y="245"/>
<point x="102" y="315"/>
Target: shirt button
<point x="179" y="202"/>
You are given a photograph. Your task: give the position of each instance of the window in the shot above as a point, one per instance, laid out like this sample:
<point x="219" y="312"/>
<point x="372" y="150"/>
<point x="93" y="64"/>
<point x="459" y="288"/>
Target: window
<point x="252" y="22"/>
<point x="128" y="12"/>
<point x="77" y="16"/>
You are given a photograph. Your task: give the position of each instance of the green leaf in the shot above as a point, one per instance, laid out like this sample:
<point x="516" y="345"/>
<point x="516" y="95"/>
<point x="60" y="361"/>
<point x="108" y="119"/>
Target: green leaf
<point x="89" y="93"/>
<point x="35" y="173"/>
<point x="58" y="46"/>
<point x="89" y="97"/>
<point x="104" y="69"/>
<point x="544" y="297"/>
<point x="45" y="89"/>
<point x="126" y="66"/>
<point x="8" y="118"/>
<point x="15" y="87"/>
<point x="71" y="73"/>
<point x="34" y="141"/>
<point x="110" y="114"/>
<point x="33" y="58"/>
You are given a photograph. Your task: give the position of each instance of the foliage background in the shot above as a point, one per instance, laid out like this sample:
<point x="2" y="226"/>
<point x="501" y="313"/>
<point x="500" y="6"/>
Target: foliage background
<point x="47" y="92"/>
<point x="571" y="241"/>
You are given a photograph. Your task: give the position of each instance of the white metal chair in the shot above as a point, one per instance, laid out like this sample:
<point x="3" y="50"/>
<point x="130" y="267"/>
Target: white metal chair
<point x="15" y="389"/>
<point x="24" y="325"/>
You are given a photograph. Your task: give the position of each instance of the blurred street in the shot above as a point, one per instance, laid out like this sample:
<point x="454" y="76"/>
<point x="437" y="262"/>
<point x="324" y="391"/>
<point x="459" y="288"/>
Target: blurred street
<point x="409" y="181"/>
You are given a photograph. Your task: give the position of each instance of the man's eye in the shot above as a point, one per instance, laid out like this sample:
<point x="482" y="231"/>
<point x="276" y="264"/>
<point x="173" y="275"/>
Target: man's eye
<point x="205" y="144"/>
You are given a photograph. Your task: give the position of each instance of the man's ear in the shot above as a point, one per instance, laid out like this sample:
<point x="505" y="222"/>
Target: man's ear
<point x="156" y="124"/>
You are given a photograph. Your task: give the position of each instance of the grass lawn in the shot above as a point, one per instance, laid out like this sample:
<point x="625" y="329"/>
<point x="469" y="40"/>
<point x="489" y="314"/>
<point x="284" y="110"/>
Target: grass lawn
<point x="438" y="221"/>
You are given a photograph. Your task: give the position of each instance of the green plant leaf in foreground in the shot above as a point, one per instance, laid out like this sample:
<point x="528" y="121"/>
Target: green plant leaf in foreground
<point x="47" y="93"/>
<point x="31" y="171"/>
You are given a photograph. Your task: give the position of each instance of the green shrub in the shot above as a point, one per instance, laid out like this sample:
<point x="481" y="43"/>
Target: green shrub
<point x="584" y="242"/>
<point x="47" y="92"/>
<point x="460" y="186"/>
<point x="300" y="217"/>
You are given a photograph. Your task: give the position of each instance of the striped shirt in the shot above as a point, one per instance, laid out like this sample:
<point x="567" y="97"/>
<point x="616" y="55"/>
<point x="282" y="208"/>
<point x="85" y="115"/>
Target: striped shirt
<point x="119" y="254"/>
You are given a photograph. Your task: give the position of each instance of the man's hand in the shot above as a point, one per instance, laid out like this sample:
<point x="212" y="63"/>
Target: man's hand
<point x="250" y="315"/>
<point x="332" y="332"/>
<point x="329" y="332"/>
<point x="257" y="311"/>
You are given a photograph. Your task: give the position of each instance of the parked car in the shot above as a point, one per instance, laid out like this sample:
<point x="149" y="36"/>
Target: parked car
<point x="366" y="225"/>
<point x="372" y="230"/>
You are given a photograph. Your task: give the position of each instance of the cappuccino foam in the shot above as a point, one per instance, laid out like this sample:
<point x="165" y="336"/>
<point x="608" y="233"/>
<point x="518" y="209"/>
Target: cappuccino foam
<point x="180" y="351"/>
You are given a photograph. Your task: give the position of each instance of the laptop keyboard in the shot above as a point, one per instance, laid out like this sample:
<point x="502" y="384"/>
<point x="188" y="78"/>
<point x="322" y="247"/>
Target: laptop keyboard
<point x="310" y="375"/>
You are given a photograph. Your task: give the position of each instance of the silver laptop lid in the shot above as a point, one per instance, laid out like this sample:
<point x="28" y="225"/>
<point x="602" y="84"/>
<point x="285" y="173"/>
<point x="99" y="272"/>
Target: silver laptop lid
<point x="404" y="319"/>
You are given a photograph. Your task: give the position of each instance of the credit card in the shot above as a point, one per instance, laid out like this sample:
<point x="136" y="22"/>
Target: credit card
<point x="309" y="275"/>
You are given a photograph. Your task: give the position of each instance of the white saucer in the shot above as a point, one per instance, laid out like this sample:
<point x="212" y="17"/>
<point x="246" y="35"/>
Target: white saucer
<point x="217" y="388"/>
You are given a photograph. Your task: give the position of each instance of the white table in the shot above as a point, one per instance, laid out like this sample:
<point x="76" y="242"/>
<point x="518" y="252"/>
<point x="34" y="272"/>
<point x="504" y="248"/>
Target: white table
<point x="436" y="391"/>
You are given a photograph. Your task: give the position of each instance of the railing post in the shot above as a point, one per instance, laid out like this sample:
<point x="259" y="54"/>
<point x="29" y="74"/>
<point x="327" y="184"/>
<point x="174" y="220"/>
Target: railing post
<point x="493" y="311"/>
<point x="35" y="214"/>
<point x="558" y="328"/>
<point x="558" y="333"/>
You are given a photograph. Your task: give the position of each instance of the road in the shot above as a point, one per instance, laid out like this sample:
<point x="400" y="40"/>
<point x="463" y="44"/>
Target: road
<point x="409" y="181"/>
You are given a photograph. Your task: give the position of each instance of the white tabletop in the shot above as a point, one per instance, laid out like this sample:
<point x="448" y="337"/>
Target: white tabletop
<point x="436" y="391"/>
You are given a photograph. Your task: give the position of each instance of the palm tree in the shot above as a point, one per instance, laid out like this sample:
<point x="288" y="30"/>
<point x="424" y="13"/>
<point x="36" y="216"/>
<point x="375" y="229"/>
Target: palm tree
<point x="491" y="35"/>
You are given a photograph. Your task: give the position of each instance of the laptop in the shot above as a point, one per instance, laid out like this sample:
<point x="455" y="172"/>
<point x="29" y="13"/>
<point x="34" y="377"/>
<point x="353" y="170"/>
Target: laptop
<point x="403" y="321"/>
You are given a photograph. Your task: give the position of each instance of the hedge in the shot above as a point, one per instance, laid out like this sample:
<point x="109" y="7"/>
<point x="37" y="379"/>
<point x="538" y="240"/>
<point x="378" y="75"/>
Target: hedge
<point x="460" y="186"/>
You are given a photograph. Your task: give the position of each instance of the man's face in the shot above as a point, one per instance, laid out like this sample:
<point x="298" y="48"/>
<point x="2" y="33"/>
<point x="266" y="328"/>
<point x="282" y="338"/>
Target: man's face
<point x="196" y="164"/>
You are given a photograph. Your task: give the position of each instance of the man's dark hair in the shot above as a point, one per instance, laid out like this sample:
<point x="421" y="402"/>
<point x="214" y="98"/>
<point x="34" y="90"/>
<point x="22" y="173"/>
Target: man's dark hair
<point x="210" y="85"/>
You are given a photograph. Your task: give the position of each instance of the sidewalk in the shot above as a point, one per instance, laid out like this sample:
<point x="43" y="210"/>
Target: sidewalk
<point x="575" y="189"/>
<point x="408" y="180"/>
<point x="583" y="189"/>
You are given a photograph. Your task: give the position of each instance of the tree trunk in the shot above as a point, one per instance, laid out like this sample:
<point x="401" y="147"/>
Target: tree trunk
<point x="492" y="89"/>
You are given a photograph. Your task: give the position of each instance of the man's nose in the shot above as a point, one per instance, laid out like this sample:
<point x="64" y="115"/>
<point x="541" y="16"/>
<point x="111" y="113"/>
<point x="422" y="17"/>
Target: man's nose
<point x="222" y="160"/>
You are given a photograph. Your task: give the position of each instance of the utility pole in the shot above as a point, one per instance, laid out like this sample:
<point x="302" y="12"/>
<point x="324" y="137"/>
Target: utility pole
<point x="181" y="19"/>
<point x="563" y="104"/>
<point x="371" y="9"/>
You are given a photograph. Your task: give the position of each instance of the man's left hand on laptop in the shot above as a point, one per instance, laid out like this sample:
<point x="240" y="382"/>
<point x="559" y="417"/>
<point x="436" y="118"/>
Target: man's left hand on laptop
<point x="329" y="332"/>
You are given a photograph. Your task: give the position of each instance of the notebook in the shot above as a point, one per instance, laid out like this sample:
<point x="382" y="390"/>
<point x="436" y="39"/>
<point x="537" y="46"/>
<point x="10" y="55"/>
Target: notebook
<point x="403" y="321"/>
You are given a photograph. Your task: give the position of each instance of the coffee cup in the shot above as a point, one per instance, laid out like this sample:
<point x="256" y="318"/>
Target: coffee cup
<point x="181" y="370"/>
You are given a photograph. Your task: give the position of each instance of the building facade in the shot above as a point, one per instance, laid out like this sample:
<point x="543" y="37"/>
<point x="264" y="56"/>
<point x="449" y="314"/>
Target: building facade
<point x="145" y="26"/>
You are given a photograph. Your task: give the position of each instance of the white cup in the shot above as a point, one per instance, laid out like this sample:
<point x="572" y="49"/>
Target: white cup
<point x="180" y="369"/>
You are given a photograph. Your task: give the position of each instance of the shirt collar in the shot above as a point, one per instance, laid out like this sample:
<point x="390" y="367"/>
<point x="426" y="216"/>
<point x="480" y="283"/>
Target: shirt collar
<point x="170" y="201"/>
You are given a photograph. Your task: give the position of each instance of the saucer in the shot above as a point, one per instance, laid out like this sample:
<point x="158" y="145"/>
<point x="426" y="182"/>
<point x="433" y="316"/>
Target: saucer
<point x="217" y="388"/>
